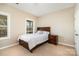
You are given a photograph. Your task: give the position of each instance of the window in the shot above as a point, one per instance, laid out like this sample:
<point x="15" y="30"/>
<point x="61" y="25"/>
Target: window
<point x="29" y="28"/>
<point x="4" y="26"/>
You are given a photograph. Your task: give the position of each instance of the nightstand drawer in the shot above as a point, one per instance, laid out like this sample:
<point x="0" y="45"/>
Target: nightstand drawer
<point x="53" y="39"/>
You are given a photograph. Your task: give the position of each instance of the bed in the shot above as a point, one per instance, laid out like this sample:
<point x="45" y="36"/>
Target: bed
<point x="32" y="41"/>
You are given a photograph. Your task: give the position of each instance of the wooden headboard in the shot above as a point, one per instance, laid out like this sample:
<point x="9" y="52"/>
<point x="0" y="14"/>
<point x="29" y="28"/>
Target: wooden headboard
<point x="43" y="29"/>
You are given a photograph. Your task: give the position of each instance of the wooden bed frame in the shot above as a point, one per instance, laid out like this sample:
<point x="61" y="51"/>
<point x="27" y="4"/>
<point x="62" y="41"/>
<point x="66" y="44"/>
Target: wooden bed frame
<point x="25" y="44"/>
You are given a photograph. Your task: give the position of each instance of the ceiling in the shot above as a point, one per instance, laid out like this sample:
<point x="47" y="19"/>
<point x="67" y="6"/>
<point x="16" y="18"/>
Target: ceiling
<point x="40" y="9"/>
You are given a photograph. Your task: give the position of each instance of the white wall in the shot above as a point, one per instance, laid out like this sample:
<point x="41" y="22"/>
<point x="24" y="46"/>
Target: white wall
<point x="61" y="23"/>
<point x="17" y="23"/>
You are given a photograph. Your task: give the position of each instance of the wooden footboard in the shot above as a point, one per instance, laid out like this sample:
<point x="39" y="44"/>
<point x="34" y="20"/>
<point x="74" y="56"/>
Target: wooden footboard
<point x="25" y="45"/>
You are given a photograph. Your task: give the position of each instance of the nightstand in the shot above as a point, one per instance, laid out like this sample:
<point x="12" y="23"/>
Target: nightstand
<point x="53" y="39"/>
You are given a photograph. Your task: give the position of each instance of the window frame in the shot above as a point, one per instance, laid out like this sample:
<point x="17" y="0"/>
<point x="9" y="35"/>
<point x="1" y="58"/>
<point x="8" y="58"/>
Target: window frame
<point x="26" y="24"/>
<point x="27" y="27"/>
<point x="8" y="26"/>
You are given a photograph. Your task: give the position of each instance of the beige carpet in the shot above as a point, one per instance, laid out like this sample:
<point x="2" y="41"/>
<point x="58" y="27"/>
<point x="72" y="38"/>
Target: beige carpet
<point x="44" y="50"/>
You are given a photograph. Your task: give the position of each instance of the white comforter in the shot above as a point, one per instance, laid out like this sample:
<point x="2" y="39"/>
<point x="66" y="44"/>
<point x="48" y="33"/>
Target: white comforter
<point x="33" y="39"/>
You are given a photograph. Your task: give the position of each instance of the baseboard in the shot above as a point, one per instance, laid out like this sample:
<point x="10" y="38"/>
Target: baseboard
<point x="18" y="43"/>
<point x="9" y="46"/>
<point x="66" y="44"/>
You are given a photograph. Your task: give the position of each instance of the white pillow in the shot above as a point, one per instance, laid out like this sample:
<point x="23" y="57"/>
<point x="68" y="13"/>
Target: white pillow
<point x="39" y="32"/>
<point x="45" y="32"/>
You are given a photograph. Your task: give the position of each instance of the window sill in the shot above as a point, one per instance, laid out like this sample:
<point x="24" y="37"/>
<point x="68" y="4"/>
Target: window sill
<point x="4" y="38"/>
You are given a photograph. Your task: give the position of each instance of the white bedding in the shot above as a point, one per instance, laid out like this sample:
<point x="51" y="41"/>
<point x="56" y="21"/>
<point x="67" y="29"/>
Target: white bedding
<point x="34" y="39"/>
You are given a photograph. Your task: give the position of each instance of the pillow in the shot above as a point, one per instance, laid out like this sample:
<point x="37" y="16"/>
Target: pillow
<point x="39" y="32"/>
<point x="45" y="32"/>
